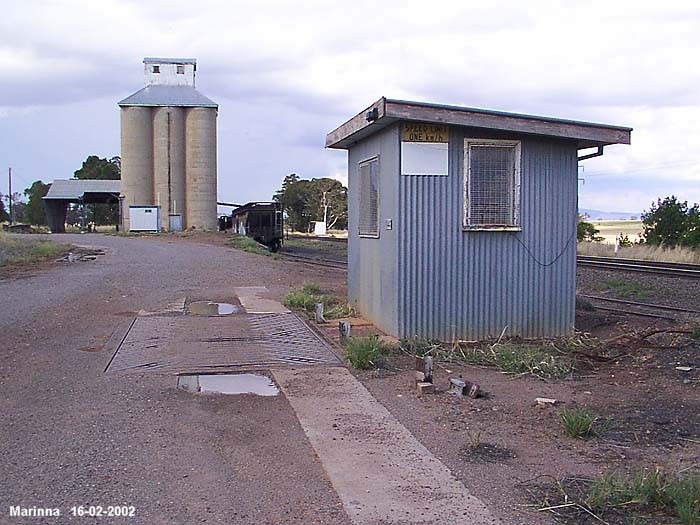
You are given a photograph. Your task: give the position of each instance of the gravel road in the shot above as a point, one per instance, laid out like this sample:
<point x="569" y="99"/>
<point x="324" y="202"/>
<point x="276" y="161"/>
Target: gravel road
<point x="72" y="435"/>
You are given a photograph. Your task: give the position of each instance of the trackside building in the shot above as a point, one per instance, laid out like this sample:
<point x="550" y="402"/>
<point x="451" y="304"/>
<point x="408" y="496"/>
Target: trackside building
<point x="462" y="221"/>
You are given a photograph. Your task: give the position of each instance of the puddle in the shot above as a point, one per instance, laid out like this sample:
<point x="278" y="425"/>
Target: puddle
<point x="211" y="308"/>
<point x="228" y="384"/>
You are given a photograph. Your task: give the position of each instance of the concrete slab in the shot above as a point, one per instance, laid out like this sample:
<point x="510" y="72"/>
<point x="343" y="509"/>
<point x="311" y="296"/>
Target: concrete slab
<point x="251" y="297"/>
<point x="381" y="472"/>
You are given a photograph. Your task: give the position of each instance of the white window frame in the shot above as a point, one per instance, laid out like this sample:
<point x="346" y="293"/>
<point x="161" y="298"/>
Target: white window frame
<point x="467" y="224"/>
<point x="369" y="161"/>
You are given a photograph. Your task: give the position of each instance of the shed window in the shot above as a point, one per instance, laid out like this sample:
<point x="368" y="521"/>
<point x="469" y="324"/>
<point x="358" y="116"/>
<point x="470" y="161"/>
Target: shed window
<point x="492" y="184"/>
<point x="156" y="69"/>
<point x="180" y="70"/>
<point x="369" y="198"/>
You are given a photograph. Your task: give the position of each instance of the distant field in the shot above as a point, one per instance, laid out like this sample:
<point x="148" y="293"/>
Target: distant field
<point x="611" y="229"/>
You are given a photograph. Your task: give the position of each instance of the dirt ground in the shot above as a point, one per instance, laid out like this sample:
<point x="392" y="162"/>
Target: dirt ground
<point x="508" y="451"/>
<point x="75" y="435"/>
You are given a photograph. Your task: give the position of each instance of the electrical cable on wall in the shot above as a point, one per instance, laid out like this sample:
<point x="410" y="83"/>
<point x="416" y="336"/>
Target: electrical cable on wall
<point x="559" y="255"/>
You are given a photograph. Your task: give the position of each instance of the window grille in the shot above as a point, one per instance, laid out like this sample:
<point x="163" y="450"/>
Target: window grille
<point x="369" y="198"/>
<point x="492" y="184"/>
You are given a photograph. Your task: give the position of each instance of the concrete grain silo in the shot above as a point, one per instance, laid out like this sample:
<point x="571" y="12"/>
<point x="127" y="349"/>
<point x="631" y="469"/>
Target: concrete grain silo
<point x="137" y="158"/>
<point x="169" y="165"/>
<point x="200" y="162"/>
<point x="169" y="150"/>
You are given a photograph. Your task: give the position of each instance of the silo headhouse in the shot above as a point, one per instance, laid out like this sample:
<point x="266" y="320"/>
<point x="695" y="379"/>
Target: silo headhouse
<point x="168" y="146"/>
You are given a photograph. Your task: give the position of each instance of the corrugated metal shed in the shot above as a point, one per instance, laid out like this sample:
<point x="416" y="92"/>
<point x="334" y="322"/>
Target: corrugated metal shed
<point x="76" y="189"/>
<point x="161" y="95"/>
<point x="431" y="274"/>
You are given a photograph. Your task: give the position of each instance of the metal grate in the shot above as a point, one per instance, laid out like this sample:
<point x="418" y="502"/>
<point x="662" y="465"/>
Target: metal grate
<point x="491" y="185"/>
<point x="369" y="198"/>
<point x="190" y="344"/>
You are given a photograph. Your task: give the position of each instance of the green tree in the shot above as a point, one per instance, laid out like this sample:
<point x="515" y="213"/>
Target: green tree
<point x="35" y="213"/>
<point x="306" y="200"/>
<point x="101" y="169"/>
<point x="672" y="223"/>
<point x="293" y="197"/>
<point x="328" y="198"/>
<point x="96" y="168"/>
<point x="587" y="231"/>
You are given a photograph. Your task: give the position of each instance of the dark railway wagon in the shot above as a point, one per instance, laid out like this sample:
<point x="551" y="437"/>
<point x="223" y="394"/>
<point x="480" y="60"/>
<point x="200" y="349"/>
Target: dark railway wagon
<point x="261" y="221"/>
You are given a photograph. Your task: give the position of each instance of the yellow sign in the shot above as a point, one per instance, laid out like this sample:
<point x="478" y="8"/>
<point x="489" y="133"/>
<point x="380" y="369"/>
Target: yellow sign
<point x="425" y="133"/>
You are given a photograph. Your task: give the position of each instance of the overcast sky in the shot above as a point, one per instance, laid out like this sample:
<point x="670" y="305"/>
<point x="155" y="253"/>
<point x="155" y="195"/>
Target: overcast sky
<point x="286" y="73"/>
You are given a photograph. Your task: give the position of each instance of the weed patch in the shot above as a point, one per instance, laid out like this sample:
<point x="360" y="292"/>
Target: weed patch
<point x="543" y="361"/>
<point x="365" y="352"/>
<point x="306" y="298"/>
<point x="421" y="347"/>
<point x="241" y="242"/>
<point x="684" y="496"/>
<point x="648" y="496"/>
<point x="581" y="423"/>
<point x="626" y="289"/>
<point x="679" y="496"/>
<point x="20" y="251"/>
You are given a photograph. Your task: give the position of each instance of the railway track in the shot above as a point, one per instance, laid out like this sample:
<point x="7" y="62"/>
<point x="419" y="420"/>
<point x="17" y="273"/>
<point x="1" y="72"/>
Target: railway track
<point x="657" y="311"/>
<point x="607" y="263"/>
<point x="635" y="265"/>
<point x="316" y="261"/>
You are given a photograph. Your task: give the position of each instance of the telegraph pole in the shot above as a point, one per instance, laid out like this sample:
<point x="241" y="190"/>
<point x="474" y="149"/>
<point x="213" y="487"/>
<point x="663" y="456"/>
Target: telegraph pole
<point x="12" y="214"/>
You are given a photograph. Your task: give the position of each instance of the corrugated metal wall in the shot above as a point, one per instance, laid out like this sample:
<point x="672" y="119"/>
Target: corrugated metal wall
<point x="471" y="285"/>
<point x="372" y="269"/>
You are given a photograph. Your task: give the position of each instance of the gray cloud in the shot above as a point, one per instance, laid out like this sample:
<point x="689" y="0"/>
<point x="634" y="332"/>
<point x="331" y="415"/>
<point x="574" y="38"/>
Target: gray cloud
<point x="286" y="74"/>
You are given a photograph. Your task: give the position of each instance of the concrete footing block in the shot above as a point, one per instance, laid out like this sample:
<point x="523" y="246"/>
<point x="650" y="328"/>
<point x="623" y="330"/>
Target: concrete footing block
<point x="425" y="388"/>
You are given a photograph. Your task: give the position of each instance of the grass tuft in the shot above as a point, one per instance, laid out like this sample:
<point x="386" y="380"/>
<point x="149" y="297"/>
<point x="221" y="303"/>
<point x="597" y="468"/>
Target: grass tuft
<point x="677" y="495"/>
<point x="249" y="245"/>
<point x="19" y="251"/>
<point x="579" y="422"/>
<point x="683" y="495"/>
<point x="420" y="347"/>
<point x="625" y="288"/>
<point x="543" y="361"/>
<point x="306" y="298"/>
<point x="365" y="352"/>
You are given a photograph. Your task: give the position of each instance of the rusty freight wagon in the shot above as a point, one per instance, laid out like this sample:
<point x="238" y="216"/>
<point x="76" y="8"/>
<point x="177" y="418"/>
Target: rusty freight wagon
<point x="262" y="221"/>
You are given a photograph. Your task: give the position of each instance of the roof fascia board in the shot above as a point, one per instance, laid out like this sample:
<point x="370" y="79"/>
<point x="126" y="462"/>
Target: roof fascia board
<point x="586" y="133"/>
<point x="598" y="133"/>
<point x="355" y="124"/>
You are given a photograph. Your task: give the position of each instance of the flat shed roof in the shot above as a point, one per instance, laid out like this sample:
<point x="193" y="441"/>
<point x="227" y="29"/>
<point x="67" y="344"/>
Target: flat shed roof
<point x="385" y="112"/>
<point x="77" y="189"/>
<point x="157" y="60"/>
